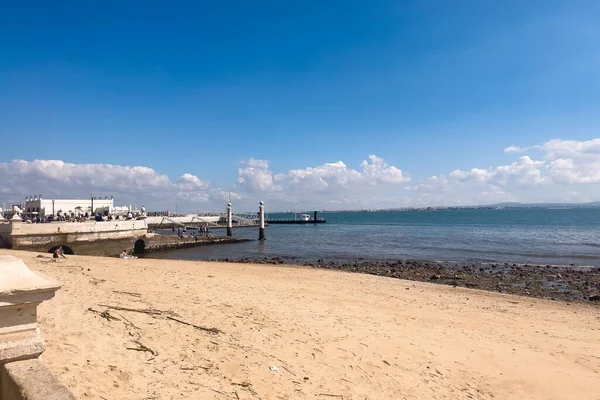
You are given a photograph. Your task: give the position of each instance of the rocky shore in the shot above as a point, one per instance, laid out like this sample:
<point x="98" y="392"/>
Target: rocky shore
<point x="566" y="283"/>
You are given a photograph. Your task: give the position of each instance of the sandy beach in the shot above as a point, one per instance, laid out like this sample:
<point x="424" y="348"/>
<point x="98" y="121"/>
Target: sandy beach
<point x="302" y="333"/>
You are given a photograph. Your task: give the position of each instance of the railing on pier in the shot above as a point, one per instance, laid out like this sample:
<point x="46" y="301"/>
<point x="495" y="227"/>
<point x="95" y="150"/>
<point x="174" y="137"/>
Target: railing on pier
<point x="211" y="220"/>
<point x="239" y="220"/>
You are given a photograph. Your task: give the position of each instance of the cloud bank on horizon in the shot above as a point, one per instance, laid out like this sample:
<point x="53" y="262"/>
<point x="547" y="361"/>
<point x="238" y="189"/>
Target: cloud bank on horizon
<point x="562" y="171"/>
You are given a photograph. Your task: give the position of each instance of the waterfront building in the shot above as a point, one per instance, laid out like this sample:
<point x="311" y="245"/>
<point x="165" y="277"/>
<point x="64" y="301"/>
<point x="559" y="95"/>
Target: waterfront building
<point x="36" y="205"/>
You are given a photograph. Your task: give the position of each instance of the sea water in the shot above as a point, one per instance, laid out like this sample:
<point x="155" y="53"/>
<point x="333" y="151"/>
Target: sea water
<point x="534" y="236"/>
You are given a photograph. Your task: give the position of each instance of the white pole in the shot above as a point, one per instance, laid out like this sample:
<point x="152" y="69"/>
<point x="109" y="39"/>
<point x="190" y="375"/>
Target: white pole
<point x="229" y="220"/>
<point x="261" y="220"/>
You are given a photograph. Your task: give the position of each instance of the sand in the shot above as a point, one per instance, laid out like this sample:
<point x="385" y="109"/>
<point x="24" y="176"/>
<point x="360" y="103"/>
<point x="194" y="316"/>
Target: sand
<point x="329" y="335"/>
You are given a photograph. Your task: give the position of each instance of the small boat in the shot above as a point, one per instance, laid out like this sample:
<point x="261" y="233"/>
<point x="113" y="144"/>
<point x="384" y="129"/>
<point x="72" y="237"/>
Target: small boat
<point x="304" y="217"/>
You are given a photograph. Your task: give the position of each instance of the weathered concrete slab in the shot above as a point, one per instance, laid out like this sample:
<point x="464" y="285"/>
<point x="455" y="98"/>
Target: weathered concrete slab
<point x="21" y="291"/>
<point x="22" y="376"/>
<point x="16" y="278"/>
<point x="31" y="380"/>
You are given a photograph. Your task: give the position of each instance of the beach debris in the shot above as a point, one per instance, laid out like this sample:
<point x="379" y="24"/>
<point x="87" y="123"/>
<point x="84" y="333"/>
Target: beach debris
<point x="206" y="368"/>
<point x="202" y="328"/>
<point x="244" y="384"/>
<point x="170" y="315"/>
<point x="284" y="367"/>
<point x="128" y="323"/>
<point x="149" y="311"/>
<point x="339" y="396"/>
<point x="104" y="314"/>
<point x="209" y="388"/>
<point x="142" y="347"/>
<point x="273" y="368"/>
<point x="595" y="297"/>
<point x="129" y="293"/>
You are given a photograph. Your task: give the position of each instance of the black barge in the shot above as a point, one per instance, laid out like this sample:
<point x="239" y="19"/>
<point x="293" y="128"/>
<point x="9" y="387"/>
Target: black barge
<point x="304" y="219"/>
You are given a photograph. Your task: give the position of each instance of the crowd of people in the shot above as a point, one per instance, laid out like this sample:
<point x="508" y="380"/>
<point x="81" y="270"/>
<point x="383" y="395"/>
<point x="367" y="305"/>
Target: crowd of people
<point x="36" y="219"/>
<point x="181" y="232"/>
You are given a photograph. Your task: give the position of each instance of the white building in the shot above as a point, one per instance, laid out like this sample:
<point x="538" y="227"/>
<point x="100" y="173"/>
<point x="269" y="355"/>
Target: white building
<point x="36" y="205"/>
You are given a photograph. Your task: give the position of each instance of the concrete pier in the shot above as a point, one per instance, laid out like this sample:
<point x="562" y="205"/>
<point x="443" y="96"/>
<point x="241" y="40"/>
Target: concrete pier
<point x="172" y="242"/>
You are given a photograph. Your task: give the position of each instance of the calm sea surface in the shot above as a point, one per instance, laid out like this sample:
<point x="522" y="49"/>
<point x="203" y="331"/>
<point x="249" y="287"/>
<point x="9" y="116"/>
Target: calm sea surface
<point x="537" y="236"/>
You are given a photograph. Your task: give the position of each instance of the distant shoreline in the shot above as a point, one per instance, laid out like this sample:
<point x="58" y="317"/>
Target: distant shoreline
<point x="516" y="206"/>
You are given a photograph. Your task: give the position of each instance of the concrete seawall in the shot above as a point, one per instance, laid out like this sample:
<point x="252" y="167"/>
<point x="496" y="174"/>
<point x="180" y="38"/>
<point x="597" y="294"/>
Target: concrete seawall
<point x="86" y="238"/>
<point x="92" y="238"/>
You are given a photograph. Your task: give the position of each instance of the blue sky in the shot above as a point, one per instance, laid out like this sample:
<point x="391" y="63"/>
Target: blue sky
<point x="197" y="87"/>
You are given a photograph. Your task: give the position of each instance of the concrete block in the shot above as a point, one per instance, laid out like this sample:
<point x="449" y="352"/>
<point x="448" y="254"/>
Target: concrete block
<point x="31" y="380"/>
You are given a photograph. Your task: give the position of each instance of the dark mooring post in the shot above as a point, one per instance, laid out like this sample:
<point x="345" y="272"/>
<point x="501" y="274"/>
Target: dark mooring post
<point x="229" y="220"/>
<point x="315" y="215"/>
<point x="261" y="221"/>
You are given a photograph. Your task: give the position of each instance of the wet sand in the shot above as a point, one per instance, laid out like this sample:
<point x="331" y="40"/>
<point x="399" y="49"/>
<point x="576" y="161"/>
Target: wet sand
<point x="555" y="282"/>
<point x="329" y="334"/>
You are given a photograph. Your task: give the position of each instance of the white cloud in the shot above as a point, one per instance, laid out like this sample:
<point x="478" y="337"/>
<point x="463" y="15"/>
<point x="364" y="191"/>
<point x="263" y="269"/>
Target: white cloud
<point x="191" y="182"/>
<point x="571" y="149"/>
<point x="514" y="149"/>
<point x="101" y="176"/>
<point x="517" y="149"/>
<point x="523" y="173"/>
<point x="567" y="170"/>
<point x="568" y="161"/>
<point x="560" y="170"/>
<point x="256" y="176"/>
<point x="573" y="162"/>
<point x="138" y="184"/>
<point x="328" y="185"/>
<point x="337" y="176"/>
